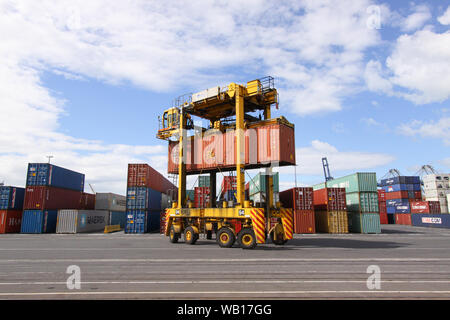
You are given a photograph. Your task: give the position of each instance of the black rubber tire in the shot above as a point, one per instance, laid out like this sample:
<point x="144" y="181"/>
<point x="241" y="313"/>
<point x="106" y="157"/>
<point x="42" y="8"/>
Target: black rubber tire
<point x="193" y="238"/>
<point x="225" y="233"/>
<point x="244" y="235"/>
<point x="277" y="242"/>
<point x="173" y="236"/>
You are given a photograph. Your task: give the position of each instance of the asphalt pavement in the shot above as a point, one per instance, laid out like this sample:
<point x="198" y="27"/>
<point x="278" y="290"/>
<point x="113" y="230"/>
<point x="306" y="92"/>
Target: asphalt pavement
<point x="413" y="263"/>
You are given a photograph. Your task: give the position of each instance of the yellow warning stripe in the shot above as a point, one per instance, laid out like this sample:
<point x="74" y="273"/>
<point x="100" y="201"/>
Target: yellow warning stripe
<point x="259" y="225"/>
<point x="288" y="223"/>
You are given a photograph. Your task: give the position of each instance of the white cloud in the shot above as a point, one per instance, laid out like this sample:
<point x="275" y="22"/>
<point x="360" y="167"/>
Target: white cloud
<point x="431" y="129"/>
<point x="375" y="80"/>
<point x="445" y="18"/>
<point x="417" y="19"/>
<point x="309" y="159"/>
<point x="417" y="69"/>
<point x="371" y="122"/>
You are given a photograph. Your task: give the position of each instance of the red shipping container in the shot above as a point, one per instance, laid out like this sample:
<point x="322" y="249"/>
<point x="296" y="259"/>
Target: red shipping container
<point x="419" y="206"/>
<point x="403" y="218"/>
<point x="383" y="218"/>
<point x="201" y="197"/>
<point x="397" y="195"/>
<point x="297" y="198"/>
<point x="142" y="175"/>
<point x="304" y="221"/>
<point x="381" y="195"/>
<point x="382" y="207"/>
<point x="418" y="195"/>
<point x="50" y="198"/>
<point x="10" y="221"/>
<point x="435" y="206"/>
<point x="331" y="199"/>
<point x="88" y="201"/>
<point x="262" y="145"/>
<point x="229" y="183"/>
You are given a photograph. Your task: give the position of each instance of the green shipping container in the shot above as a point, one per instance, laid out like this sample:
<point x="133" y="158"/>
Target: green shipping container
<point x="364" y="222"/>
<point x="319" y="186"/>
<point x="357" y="182"/>
<point x="362" y="202"/>
<point x="258" y="183"/>
<point x="203" y="181"/>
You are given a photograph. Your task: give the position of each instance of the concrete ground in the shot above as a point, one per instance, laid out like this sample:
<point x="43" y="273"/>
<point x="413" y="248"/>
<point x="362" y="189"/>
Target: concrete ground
<point x="414" y="264"/>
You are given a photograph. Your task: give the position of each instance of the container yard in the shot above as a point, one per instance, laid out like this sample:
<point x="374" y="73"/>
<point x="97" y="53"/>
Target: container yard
<point x="245" y="228"/>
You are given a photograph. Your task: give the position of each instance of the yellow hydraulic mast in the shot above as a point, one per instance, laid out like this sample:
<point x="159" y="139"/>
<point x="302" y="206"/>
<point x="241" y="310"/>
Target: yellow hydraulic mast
<point x="240" y="145"/>
<point x="181" y="162"/>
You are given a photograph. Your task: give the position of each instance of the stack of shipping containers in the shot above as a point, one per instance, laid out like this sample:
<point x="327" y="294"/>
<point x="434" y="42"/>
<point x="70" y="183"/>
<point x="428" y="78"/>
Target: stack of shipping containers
<point x="437" y="188"/>
<point x="400" y="191"/>
<point x="201" y="193"/>
<point x="11" y="205"/>
<point x="301" y="202"/>
<point x="330" y="210"/>
<point x="382" y="207"/>
<point x="144" y="198"/>
<point x="257" y="189"/>
<point x="49" y="188"/>
<point x="362" y="201"/>
<point x="109" y="210"/>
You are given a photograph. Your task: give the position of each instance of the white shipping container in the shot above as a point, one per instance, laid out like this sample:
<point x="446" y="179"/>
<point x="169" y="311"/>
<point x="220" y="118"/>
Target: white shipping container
<point x="110" y="202"/>
<point x="434" y="193"/>
<point x="436" y="185"/>
<point x="205" y="94"/>
<point x="81" y="221"/>
<point x="436" y="177"/>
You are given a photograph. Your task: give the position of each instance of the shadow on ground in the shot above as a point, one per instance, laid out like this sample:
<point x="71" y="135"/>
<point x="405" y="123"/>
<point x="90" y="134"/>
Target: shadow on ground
<point x="344" y="243"/>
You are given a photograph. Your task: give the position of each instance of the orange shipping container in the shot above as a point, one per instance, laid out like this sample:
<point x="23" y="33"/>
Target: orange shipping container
<point x="304" y="221"/>
<point x="271" y="143"/>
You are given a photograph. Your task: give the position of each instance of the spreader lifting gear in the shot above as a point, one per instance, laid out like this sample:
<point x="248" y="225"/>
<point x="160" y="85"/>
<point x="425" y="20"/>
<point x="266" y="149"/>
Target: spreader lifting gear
<point x="219" y="105"/>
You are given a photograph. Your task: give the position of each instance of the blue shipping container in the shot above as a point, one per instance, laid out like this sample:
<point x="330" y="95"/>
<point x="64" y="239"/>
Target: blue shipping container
<point x="117" y="217"/>
<point x="143" y="198"/>
<point x="44" y="174"/>
<point x="400" y="208"/>
<point x="390" y="210"/>
<point x="11" y="198"/>
<point x="397" y="202"/>
<point x="142" y="221"/>
<point x="413" y="180"/>
<point x="395" y="187"/>
<point x="39" y="221"/>
<point x="417" y="187"/>
<point x="394" y="180"/>
<point x="430" y="220"/>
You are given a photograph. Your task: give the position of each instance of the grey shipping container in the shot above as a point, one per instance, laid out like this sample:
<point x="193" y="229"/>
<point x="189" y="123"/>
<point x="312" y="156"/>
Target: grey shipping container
<point x="110" y="202"/>
<point x="81" y="221"/>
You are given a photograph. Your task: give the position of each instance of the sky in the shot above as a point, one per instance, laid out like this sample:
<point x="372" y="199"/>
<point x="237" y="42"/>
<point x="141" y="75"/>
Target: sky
<point x="366" y="83"/>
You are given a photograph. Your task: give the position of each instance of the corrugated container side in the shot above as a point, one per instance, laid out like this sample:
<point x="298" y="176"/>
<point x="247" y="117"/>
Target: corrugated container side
<point x="10" y="221"/>
<point x="117" y="218"/>
<point x="38" y="221"/>
<point x="331" y="199"/>
<point x="50" y="198"/>
<point x="364" y="202"/>
<point x="258" y="183"/>
<point x="142" y="221"/>
<point x="419" y="207"/>
<point x="11" y="198"/>
<point x="110" y="202"/>
<point x="384" y="218"/>
<point x="331" y="221"/>
<point x="143" y="175"/>
<point x="44" y="174"/>
<point x="357" y="182"/>
<point x="298" y="198"/>
<point x="435" y="206"/>
<point x="431" y="220"/>
<point x="304" y="221"/>
<point x="81" y="221"/>
<point x="143" y="198"/>
<point x="364" y="222"/>
<point x="397" y="195"/>
<point x="403" y="218"/>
